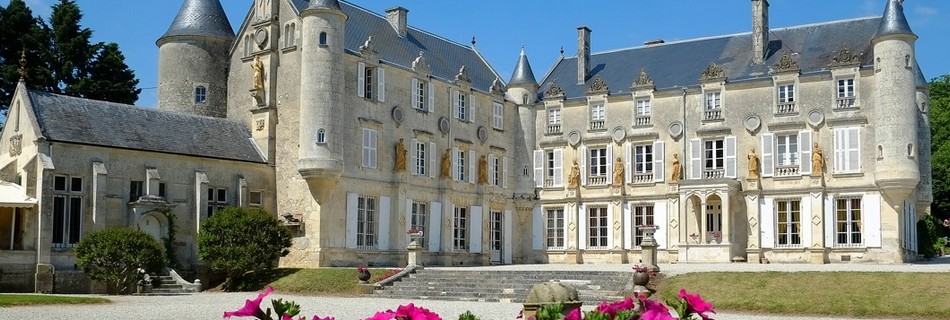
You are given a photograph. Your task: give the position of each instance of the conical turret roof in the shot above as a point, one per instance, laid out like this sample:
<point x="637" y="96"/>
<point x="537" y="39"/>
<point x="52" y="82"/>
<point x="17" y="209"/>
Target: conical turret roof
<point x="324" y="4"/>
<point x="201" y="18"/>
<point x="894" y="21"/>
<point x="523" y="73"/>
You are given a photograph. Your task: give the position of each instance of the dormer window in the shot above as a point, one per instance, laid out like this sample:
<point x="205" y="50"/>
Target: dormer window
<point x="713" y="110"/>
<point x="201" y="94"/>
<point x="597" y="116"/>
<point x="786" y="99"/>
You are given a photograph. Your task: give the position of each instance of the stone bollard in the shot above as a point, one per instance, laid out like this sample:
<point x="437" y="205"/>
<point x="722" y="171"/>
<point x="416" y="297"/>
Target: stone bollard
<point x="648" y="246"/>
<point x="415" y="254"/>
<point x="550" y="293"/>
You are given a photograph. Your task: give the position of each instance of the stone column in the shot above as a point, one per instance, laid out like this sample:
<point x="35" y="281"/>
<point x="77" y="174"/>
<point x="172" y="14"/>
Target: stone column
<point x="754" y="246"/>
<point x="817" y="251"/>
<point x="648" y="246"/>
<point x="100" y="180"/>
<point x="415" y="255"/>
<point x="44" y="277"/>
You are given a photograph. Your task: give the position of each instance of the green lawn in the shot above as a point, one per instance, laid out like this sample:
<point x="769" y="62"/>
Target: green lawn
<point x="322" y="281"/>
<point x="853" y="294"/>
<point x="10" y="300"/>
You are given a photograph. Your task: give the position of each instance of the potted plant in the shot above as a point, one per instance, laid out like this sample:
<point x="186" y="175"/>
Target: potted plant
<point x="641" y="275"/>
<point x="415" y="233"/>
<point x="695" y="237"/>
<point x="717" y="236"/>
<point x="363" y="274"/>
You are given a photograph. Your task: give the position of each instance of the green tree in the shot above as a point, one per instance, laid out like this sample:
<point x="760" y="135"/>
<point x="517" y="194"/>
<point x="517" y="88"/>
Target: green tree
<point x="117" y="257"/>
<point x="940" y="144"/>
<point x="72" y="48"/>
<point x="20" y="30"/>
<point x="237" y="240"/>
<point x="110" y="79"/>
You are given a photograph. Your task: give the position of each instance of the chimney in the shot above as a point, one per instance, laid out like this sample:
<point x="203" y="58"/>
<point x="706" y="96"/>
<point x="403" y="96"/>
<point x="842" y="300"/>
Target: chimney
<point x="583" y="54"/>
<point x="397" y="17"/>
<point x="760" y="30"/>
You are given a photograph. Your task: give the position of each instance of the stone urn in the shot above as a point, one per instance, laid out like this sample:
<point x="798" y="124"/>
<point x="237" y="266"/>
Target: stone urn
<point x="641" y="278"/>
<point x="550" y="293"/>
<point x="363" y="275"/>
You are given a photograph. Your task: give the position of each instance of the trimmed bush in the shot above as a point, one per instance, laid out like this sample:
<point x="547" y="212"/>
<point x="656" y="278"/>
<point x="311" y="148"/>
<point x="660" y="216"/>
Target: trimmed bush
<point x="927" y="236"/>
<point x="236" y="241"/>
<point x="116" y="256"/>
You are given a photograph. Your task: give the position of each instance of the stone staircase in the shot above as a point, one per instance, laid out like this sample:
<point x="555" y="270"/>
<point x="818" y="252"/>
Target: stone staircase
<point x="593" y="287"/>
<point x="170" y="283"/>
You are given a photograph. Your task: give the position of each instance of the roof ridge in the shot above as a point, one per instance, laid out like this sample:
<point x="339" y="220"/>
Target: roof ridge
<point x="131" y="106"/>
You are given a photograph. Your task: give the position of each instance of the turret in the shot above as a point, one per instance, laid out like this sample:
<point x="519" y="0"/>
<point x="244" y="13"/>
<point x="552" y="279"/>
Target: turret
<point x="193" y="60"/>
<point x="523" y="88"/>
<point x="896" y="116"/>
<point x="322" y="131"/>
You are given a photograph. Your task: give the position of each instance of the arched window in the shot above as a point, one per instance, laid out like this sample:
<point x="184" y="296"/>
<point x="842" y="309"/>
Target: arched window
<point x="292" y="35"/>
<point x="323" y="38"/>
<point x="321" y="136"/>
<point x="201" y="94"/>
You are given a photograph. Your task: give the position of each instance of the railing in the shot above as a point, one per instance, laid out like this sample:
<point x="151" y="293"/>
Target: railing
<point x="597" y="181"/>
<point x="845" y="103"/>
<point x="715" y="114"/>
<point x="786" y="171"/>
<point x="714" y="173"/>
<point x="597" y="124"/>
<point x="548" y="183"/>
<point x="554" y="128"/>
<point x="642" y="121"/>
<point x="642" y="178"/>
<point x="786" y="108"/>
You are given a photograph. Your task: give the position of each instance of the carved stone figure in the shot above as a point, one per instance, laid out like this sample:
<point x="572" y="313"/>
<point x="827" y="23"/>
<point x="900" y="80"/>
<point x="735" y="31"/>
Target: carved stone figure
<point x="400" y="156"/>
<point x="483" y="170"/>
<point x="817" y="161"/>
<point x="574" y="178"/>
<point x="258" y="67"/>
<point x="618" y="173"/>
<point x="676" y="168"/>
<point x="753" y="165"/>
<point x="447" y="163"/>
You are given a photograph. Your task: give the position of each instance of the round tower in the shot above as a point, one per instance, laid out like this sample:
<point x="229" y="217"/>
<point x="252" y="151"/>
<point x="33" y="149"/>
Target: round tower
<point x="322" y="132"/>
<point x="193" y="60"/>
<point x="523" y="90"/>
<point x="896" y="116"/>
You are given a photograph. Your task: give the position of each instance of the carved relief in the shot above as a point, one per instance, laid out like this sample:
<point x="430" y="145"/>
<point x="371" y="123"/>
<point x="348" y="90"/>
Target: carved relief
<point x="713" y="72"/>
<point x="419" y="65"/>
<point x="368" y="46"/>
<point x="845" y="57"/>
<point x="462" y="76"/>
<point x="786" y="64"/>
<point x="16" y="145"/>
<point x="497" y="87"/>
<point x="598" y="86"/>
<point x="259" y="125"/>
<point x="554" y="91"/>
<point x="643" y="81"/>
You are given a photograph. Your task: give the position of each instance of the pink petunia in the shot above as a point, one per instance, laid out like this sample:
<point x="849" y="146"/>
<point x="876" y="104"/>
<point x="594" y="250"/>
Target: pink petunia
<point x="319" y="318"/>
<point x="574" y="315"/>
<point x="696" y="304"/>
<point x="383" y="315"/>
<point x="653" y="310"/>
<point x="252" y="308"/>
<point x="614" y="307"/>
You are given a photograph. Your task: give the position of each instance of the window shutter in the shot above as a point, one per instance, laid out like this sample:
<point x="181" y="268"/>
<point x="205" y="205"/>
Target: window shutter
<point x="829" y="222"/>
<point x="581" y="227"/>
<point x="627" y="161"/>
<point x="660" y="220"/>
<point x="433" y="160"/>
<point x="854" y="149"/>
<point x="469" y="108"/>
<point x="455" y="104"/>
<point x="568" y="213"/>
<point x="431" y="96"/>
<point x="804" y="156"/>
<point x="472" y="160"/>
<point x="871" y="220"/>
<point x="767" y="222"/>
<point x="409" y="221"/>
<point x="695" y="159"/>
<point x="610" y="164"/>
<point x="730" y="146"/>
<point x="559" y="167"/>
<point x="538" y="168"/>
<point x="805" y="215"/>
<point x="475" y="230"/>
<point x="659" y="161"/>
<point x="492" y="169"/>
<point x="537" y="229"/>
<point x="628" y="228"/>
<point x="768" y="154"/>
<point x="380" y="84"/>
<point x="435" y="227"/>
<point x="504" y="173"/>
<point x="413" y="159"/>
<point x="583" y="159"/>
<point x="455" y="163"/>
<point x="840" y="151"/>
<point x="361" y="79"/>
<point x="383" y="227"/>
<point x="415" y="93"/>
<point x="351" y="203"/>
<point x="373" y="147"/>
<point x="610" y="224"/>
<point x="506" y="236"/>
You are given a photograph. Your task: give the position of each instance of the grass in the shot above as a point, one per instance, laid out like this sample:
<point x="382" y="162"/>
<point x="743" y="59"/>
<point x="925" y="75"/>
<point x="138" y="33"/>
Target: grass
<point x="11" y="300"/>
<point x="851" y="294"/>
<point x="322" y="281"/>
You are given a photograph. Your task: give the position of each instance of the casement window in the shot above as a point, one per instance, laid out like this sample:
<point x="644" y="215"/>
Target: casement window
<point x="786" y="93"/>
<point x="366" y="218"/>
<point x="460" y="229"/>
<point x="217" y="200"/>
<point x="713" y="218"/>
<point x="598" y="161"/>
<point x="597" y="116"/>
<point x="846" y="94"/>
<point x="371" y="82"/>
<point x="713" y="158"/>
<point x="786" y="150"/>
<point x="369" y="148"/>
<point x="461" y="102"/>
<point x="554" y="229"/>
<point x="290" y="35"/>
<point x="419" y="220"/>
<point x="368" y="83"/>
<point x="498" y="116"/>
<point x="597" y="227"/>
<point x="321" y="136"/>
<point x="464" y="164"/>
<point x="642" y="216"/>
<point x="549" y="168"/>
<point x="847" y="150"/>
<point x="460" y="165"/>
<point x="788" y="223"/>
<point x="255" y="199"/>
<point x="554" y="116"/>
<point x="423" y="95"/>
<point x="643" y="107"/>
<point x="715" y="155"/>
<point x="848" y="221"/>
<point x="136" y="190"/>
<point x="67" y="211"/>
<point x="201" y="94"/>
<point x="713" y="100"/>
<point x="643" y="159"/>
<point x="494" y="170"/>
<point x="420" y="158"/>
<point x="784" y="154"/>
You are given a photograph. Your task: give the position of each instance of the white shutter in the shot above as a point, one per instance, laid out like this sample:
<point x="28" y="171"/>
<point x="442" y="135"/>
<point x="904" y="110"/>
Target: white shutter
<point x="581" y="227"/>
<point x="455" y="163"/>
<point x="829" y="221"/>
<point x="455" y="104"/>
<point x="435" y="227"/>
<point x="767" y="222"/>
<point x="806" y="221"/>
<point x="538" y="168"/>
<point x="504" y="173"/>
<point x="567" y="225"/>
<point x="659" y="158"/>
<point x="559" y="167"/>
<point x="431" y="96"/>
<point x="374" y="145"/>
<point x="628" y="156"/>
<point x="383" y="227"/>
<point x="695" y="159"/>
<point x="415" y="93"/>
<point x="610" y="164"/>
<point x="610" y="226"/>
<point x="472" y="160"/>
<point x="854" y="149"/>
<point x="361" y="79"/>
<point x="660" y="220"/>
<point x="351" y="203"/>
<point x="469" y="108"/>
<point x="804" y="156"/>
<point x="433" y="155"/>
<point x="506" y="237"/>
<point x="409" y="220"/>
<point x="840" y="152"/>
<point x="413" y="159"/>
<point x="628" y="227"/>
<point x="768" y="154"/>
<point x="537" y="229"/>
<point x="475" y="230"/>
<point x="583" y="158"/>
<point x="871" y="220"/>
<point x="730" y="148"/>
<point x="381" y="84"/>
<point x="492" y="170"/>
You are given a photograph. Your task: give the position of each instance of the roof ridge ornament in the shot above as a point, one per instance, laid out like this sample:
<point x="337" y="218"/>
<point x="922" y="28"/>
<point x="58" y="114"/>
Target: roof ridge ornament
<point x="462" y="76"/>
<point x="554" y="91"/>
<point x="497" y="87"/>
<point x="845" y="57"/>
<point x="598" y="86"/>
<point x="786" y="64"/>
<point x="22" y="69"/>
<point x="644" y="80"/>
<point x="368" y="46"/>
<point x="713" y="72"/>
<point x="419" y="65"/>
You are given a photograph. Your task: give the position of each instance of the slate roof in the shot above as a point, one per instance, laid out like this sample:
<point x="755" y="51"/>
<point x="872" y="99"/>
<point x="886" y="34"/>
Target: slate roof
<point x="201" y="18"/>
<point x="678" y="64"/>
<point x="445" y="57"/>
<point x="91" y="122"/>
<point x="894" y="20"/>
<point x="523" y="73"/>
<point x="328" y="4"/>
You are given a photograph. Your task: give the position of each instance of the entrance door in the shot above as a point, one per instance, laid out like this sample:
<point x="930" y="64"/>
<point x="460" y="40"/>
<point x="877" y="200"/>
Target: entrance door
<point x="150" y="225"/>
<point x="496" y="223"/>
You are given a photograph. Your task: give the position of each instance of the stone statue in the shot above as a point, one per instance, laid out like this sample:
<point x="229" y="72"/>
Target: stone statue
<point x="258" y="67"/>
<point x="447" y="163"/>
<point x="753" y="165"/>
<point x="677" y="169"/>
<point x="482" y="170"/>
<point x="817" y="161"/>
<point x="574" y="178"/>
<point x="618" y="173"/>
<point x="400" y="156"/>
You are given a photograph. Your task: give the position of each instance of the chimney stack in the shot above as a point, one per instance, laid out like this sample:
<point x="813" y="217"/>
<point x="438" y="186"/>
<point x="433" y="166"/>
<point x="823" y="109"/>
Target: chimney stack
<point x="583" y="54"/>
<point x="397" y="17"/>
<point x="760" y="30"/>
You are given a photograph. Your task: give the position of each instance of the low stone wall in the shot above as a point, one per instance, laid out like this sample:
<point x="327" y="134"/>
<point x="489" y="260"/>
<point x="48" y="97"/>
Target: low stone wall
<point x="72" y="282"/>
<point x="17" y="277"/>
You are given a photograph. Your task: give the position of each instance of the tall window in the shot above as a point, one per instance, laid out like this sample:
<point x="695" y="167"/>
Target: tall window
<point x="549" y="164"/>
<point x="714" y="220"/>
<point x="786" y="93"/>
<point x="321" y="136"/>
<point x="67" y="211"/>
<point x="555" y="229"/>
<point x="201" y="94"/>
<point x="848" y="221"/>
<point x="421" y="94"/>
<point x="713" y="100"/>
<point x="369" y="148"/>
<point x="554" y="116"/>
<point x="789" y="223"/>
<point x="369" y="82"/>
<point x="460" y="166"/>
<point x="217" y="200"/>
<point x="494" y="164"/>
<point x="715" y="154"/>
<point x="419" y="221"/>
<point x="598" y="161"/>
<point x="421" y="159"/>
<point x="642" y="216"/>
<point x="787" y="147"/>
<point x="498" y="116"/>
<point x="366" y="222"/>
<point x="461" y="106"/>
<point x="643" y="158"/>
<point x="323" y="39"/>
<point x="643" y="107"/>
<point x="136" y="190"/>
<point x="847" y="149"/>
<point x="597" y="227"/>
<point x="460" y="229"/>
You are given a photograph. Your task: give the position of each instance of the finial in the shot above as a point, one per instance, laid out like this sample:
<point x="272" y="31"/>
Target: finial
<point x="22" y="69"/>
<point x="473" y="41"/>
<point x="562" y="51"/>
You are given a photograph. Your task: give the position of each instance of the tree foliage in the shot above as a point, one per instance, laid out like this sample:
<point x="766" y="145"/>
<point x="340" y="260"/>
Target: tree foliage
<point x="940" y="144"/>
<point x="117" y="256"/>
<point x="239" y="240"/>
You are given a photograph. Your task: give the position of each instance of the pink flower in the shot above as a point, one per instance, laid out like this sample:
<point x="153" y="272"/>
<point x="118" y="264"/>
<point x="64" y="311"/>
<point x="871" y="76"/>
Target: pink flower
<point x="383" y="315"/>
<point x="695" y="304"/>
<point x="406" y="312"/>
<point x="252" y="308"/>
<point x="319" y="318"/>
<point x="520" y="314"/>
<point x="612" y="308"/>
<point x="574" y="315"/>
<point x="653" y="310"/>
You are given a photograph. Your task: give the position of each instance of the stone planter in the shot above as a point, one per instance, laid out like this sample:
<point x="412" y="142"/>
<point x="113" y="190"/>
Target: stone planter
<point x="641" y="278"/>
<point x="364" y="276"/>
<point x="551" y="293"/>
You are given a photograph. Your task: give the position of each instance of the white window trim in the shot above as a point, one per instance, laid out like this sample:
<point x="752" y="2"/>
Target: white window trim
<point x="560" y="235"/>
<point x="604" y="229"/>
<point x="644" y="107"/>
<point x="370" y="231"/>
<point x="714" y="104"/>
<point x="844" y="155"/>
<point x="790" y="223"/>
<point x="849" y="222"/>
<point x="460" y="228"/>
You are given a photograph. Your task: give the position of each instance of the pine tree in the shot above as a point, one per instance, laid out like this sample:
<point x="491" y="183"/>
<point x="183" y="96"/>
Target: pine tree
<point x="110" y="79"/>
<point x="72" y="49"/>
<point x="20" y="30"/>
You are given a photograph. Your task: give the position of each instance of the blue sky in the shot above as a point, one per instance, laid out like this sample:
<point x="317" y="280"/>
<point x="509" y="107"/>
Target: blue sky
<point x="542" y="26"/>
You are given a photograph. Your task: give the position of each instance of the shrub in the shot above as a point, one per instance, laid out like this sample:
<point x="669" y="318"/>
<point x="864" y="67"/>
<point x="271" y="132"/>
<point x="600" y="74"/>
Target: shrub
<point x="239" y="240"/>
<point x="927" y="236"/>
<point x="117" y="256"/>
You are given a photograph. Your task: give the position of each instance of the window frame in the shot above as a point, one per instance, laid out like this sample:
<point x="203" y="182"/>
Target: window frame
<point x="251" y="199"/>
<point x="367" y="235"/>
<point x="555" y="220"/>
<point x="598" y="112"/>
<point x="643" y="214"/>
<point x="785" y="93"/>
<point x="215" y="202"/>
<point x="846" y="88"/>
<point x="201" y="94"/>
<point x="369" y="82"/>
<point x="460" y="217"/>
<point x="713" y="100"/>
<point x="554" y="115"/>
<point x="68" y="208"/>
<point x="787" y="157"/>
<point x="419" y="219"/>
<point x="592" y="165"/>
<point x="710" y="148"/>
<point x="846" y="227"/>
<point x="421" y="166"/>
<point x="644" y="107"/>
<point x="789" y="231"/>
<point x="460" y="165"/>
<point x="645" y="165"/>
<point x="598" y="228"/>
<point x="422" y="97"/>
<point x="498" y="116"/>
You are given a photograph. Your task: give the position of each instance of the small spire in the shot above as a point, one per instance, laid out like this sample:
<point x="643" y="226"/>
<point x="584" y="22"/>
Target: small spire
<point x="473" y="41"/>
<point x="523" y="74"/>
<point x="562" y="51"/>
<point x="22" y="69"/>
<point x="893" y="20"/>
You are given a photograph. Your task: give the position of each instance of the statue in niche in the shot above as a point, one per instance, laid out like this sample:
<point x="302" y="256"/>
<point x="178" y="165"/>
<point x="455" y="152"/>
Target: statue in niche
<point x="618" y="173"/>
<point x="482" y="170"/>
<point x="447" y="163"/>
<point x="258" y="67"/>
<point x="574" y="178"/>
<point x="677" y="169"/>
<point x="400" y="156"/>
<point x="817" y="161"/>
<point x="753" y="165"/>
